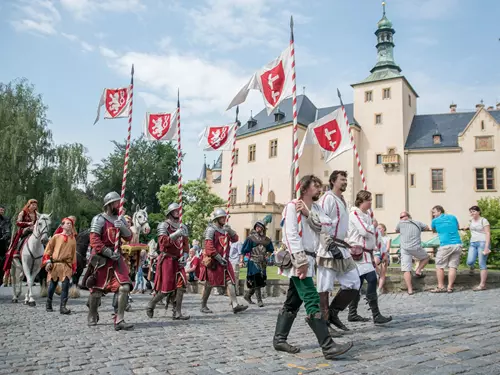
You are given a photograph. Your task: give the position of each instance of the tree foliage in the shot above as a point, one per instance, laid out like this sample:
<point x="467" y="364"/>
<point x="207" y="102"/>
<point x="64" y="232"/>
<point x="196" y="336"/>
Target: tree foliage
<point x="198" y="205"/>
<point x="151" y="165"/>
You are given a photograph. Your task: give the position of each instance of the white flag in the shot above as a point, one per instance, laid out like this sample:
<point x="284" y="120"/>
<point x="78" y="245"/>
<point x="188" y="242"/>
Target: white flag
<point x="116" y="103"/>
<point x="218" y="138"/>
<point x="274" y="81"/>
<point x="160" y="126"/>
<point x="330" y="133"/>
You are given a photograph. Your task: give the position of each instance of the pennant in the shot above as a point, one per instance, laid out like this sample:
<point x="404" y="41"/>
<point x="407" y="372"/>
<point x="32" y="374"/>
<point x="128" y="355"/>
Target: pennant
<point x="160" y="126"/>
<point x="261" y="188"/>
<point x="116" y="103"/>
<point x="217" y="138"/>
<point x="330" y="133"/>
<point x="274" y="81"/>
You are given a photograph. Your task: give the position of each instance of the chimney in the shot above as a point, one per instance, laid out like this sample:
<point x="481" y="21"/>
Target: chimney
<point x="498" y="105"/>
<point x="479" y="105"/>
<point x="453" y="108"/>
<point x="490" y="108"/>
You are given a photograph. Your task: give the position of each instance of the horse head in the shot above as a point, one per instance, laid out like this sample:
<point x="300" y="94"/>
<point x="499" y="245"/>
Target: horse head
<point x="140" y="220"/>
<point x="42" y="227"/>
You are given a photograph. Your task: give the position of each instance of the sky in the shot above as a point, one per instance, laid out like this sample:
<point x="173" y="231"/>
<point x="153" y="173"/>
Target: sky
<point x="449" y="50"/>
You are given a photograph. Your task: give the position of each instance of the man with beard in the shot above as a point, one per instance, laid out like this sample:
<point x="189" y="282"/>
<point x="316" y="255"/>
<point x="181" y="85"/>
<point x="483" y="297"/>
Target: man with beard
<point x="334" y="259"/>
<point x="217" y="270"/>
<point x="4" y="238"/>
<point x="108" y="270"/>
<point x="170" y="277"/>
<point x="303" y="243"/>
<point x="258" y="246"/>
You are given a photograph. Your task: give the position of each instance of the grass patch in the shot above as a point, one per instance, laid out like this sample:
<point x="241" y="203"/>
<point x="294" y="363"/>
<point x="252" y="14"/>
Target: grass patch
<point x="272" y="274"/>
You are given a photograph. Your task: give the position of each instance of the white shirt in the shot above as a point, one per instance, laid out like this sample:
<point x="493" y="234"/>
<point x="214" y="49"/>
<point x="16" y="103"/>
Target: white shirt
<point x="336" y="210"/>
<point x="362" y="233"/>
<point x="235" y="251"/>
<point x="310" y="240"/>
<point x="477" y="229"/>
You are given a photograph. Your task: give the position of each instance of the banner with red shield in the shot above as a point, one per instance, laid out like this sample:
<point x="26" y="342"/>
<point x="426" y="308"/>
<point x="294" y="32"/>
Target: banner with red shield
<point x="274" y="81"/>
<point x="160" y="126"/>
<point x="217" y="138"/>
<point x="330" y="133"/>
<point x="116" y="103"/>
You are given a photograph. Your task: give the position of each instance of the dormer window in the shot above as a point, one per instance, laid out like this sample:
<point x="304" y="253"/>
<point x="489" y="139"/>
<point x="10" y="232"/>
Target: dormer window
<point x="278" y="115"/>
<point x="252" y="122"/>
<point x="436" y="139"/>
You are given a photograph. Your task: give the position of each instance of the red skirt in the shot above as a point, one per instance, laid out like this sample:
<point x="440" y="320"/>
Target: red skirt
<point x="218" y="276"/>
<point x="169" y="275"/>
<point x="112" y="275"/>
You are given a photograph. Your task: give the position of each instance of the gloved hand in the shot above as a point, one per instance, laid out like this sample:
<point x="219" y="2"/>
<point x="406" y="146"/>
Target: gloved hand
<point x="48" y="266"/>
<point x="108" y="253"/>
<point x="176" y="234"/>
<point x="182" y="262"/>
<point x="221" y="260"/>
<point x="185" y="230"/>
<point x="229" y="230"/>
<point x="121" y="224"/>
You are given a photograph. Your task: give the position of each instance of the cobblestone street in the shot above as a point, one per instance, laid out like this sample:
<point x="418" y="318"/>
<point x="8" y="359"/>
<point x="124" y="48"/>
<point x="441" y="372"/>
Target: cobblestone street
<point x="430" y="334"/>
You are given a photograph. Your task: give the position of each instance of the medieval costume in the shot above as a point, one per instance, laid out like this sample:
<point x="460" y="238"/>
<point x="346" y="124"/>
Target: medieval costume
<point x="25" y="222"/>
<point x="335" y="263"/>
<point x="303" y="250"/>
<point x="59" y="259"/>
<point x="217" y="270"/>
<point x="258" y="247"/>
<point x="108" y="269"/>
<point x="4" y="240"/>
<point x="170" y="276"/>
<point x="361" y="236"/>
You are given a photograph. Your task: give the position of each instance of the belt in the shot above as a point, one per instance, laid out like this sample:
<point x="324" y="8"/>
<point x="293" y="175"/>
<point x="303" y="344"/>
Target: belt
<point x="340" y="242"/>
<point x="310" y="253"/>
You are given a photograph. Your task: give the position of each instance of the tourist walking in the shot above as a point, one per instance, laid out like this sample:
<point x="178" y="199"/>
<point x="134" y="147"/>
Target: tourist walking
<point x="382" y="256"/>
<point x="480" y="242"/>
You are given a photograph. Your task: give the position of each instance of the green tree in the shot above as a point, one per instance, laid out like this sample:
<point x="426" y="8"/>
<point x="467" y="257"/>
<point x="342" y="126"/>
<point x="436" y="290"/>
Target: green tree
<point x="198" y="204"/>
<point x="151" y="164"/>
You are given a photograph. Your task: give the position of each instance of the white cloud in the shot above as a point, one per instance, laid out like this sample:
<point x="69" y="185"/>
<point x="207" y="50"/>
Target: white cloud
<point x="86" y="47"/>
<point x="83" y="8"/>
<point x="71" y="37"/>
<point x="106" y="52"/>
<point x="38" y="16"/>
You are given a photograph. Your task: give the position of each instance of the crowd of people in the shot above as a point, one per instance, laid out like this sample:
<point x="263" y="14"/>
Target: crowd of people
<point x="321" y="238"/>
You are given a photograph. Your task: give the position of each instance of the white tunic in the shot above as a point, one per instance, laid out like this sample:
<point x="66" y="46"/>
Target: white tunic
<point x="310" y="240"/>
<point x="336" y="210"/>
<point x="362" y="233"/>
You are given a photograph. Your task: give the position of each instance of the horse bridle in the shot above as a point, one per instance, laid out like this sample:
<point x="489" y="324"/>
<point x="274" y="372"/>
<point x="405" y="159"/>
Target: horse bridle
<point x="143" y="223"/>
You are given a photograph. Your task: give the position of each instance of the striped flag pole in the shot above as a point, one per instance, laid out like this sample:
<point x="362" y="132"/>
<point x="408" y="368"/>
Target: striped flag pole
<point x="295" y="126"/>
<point x="127" y="151"/>
<point x="179" y="155"/>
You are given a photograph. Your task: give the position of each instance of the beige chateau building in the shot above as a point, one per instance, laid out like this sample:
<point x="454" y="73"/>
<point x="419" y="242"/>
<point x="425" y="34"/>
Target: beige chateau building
<point x="411" y="162"/>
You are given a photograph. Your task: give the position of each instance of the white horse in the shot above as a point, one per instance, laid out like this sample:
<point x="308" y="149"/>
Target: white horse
<point x="139" y="223"/>
<point x="31" y="256"/>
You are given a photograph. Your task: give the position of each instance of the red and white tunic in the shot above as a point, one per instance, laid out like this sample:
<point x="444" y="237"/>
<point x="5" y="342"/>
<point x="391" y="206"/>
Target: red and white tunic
<point x="362" y="233"/>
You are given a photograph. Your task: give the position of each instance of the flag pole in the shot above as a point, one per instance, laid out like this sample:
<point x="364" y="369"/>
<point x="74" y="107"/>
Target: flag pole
<point x="295" y="125"/>
<point x="179" y="155"/>
<point x="127" y="151"/>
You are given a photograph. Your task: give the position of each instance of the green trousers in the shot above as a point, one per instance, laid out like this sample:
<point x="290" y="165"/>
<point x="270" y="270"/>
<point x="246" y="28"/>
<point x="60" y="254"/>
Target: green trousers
<point x="302" y="291"/>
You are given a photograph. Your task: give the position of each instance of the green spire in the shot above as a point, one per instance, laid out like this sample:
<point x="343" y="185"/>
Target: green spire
<point x="384" y="23"/>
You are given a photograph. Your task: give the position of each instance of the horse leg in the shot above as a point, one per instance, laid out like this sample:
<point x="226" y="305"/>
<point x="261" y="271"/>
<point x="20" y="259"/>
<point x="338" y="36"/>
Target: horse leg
<point x="14" y="280"/>
<point x="37" y="264"/>
<point x="27" y="267"/>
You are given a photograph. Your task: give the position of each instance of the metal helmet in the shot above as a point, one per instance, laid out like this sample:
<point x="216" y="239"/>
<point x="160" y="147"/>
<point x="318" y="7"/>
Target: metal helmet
<point x="111" y="197"/>
<point x="171" y="207"/>
<point x="260" y="223"/>
<point x="219" y="213"/>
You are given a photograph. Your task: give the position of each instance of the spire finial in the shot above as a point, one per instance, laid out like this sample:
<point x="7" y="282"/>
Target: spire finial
<point x="383" y="8"/>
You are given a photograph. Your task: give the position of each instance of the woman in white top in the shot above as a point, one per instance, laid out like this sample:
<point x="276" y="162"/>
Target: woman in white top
<point x="362" y="238"/>
<point x="479" y="244"/>
<point x="382" y="255"/>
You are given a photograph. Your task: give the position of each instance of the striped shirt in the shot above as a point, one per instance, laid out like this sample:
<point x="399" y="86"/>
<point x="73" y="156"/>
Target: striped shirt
<point x="410" y="231"/>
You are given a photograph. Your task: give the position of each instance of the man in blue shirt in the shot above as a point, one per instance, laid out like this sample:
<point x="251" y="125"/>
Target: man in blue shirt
<point x="450" y="249"/>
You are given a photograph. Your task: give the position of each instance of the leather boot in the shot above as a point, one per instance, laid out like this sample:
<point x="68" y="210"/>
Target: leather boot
<point x="170" y="300"/>
<point x="152" y="304"/>
<point x="283" y="327"/>
<point x="62" y="309"/>
<point x="48" y="305"/>
<point x="258" y="293"/>
<point x="353" y="311"/>
<point x="207" y="289"/>
<point x="330" y="349"/>
<point x="122" y="305"/>
<point x="94" y="302"/>
<point x="325" y="313"/>
<point x="248" y="296"/>
<point x="378" y="318"/>
<point x="234" y="301"/>
<point x="115" y="304"/>
<point x="178" y="306"/>
<point x="343" y="298"/>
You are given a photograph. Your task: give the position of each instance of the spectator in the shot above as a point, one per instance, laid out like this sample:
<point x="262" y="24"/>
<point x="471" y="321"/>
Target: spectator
<point x="192" y="266"/>
<point x="479" y="244"/>
<point x="197" y="248"/>
<point x="450" y="249"/>
<point x="234" y="258"/>
<point x="4" y="238"/>
<point x="382" y="256"/>
<point x="411" y="247"/>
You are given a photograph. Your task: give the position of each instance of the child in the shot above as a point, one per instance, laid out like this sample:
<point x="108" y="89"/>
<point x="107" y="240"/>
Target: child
<point x="59" y="260"/>
<point x="140" y="285"/>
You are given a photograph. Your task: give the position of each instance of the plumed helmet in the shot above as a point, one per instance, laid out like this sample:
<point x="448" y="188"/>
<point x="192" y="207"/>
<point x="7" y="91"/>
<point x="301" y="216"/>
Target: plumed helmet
<point x="219" y="213"/>
<point x="111" y="197"/>
<point x="171" y="207"/>
<point x="260" y="223"/>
